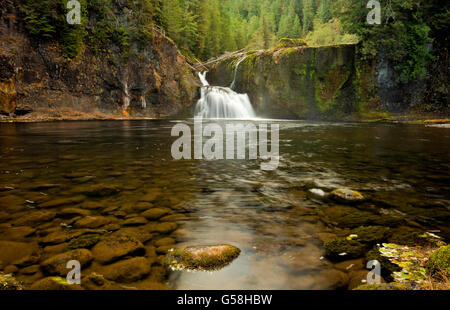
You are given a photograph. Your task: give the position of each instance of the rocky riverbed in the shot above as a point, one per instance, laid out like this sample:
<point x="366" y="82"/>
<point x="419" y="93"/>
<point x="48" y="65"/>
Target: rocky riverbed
<point x="109" y="195"/>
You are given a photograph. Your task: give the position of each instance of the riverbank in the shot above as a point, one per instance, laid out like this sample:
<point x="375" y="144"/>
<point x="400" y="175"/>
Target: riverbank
<point x="36" y="117"/>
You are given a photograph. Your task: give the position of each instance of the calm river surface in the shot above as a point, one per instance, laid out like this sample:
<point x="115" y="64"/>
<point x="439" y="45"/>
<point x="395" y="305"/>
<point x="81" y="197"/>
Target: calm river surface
<point x="65" y="179"/>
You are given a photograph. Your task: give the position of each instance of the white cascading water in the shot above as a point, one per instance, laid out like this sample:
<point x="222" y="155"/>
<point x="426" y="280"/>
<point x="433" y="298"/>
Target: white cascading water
<point x="222" y="102"/>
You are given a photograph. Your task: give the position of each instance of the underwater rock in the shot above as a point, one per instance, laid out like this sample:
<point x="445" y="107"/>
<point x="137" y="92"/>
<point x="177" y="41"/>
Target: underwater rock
<point x="173" y="218"/>
<point x="358" y="278"/>
<point x="115" y="247"/>
<point x="29" y="260"/>
<point x="53" y="238"/>
<point x="438" y="264"/>
<point x="370" y="234"/>
<point x="166" y="227"/>
<point x="201" y="257"/>
<point x="17" y="233"/>
<point x="347" y="196"/>
<point x="302" y="259"/>
<point x="127" y="271"/>
<point x="54" y="284"/>
<point x="95" y="281"/>
<point x="92" y="222"/>
<point x="73" y="212"/>
<point x="57" y="265"/>
<point x="343" y="249"/>
<point x="85" y="241"/>
<point x="330" y="279"/>
<point x="164" y="249"/>
<point x="30" y="270"/>
<point x="100" y="190"/>
<point x="62" y="202"/>
<point x="35" y="218"/>
<point x="135" y="221"/>
<point x="92" y="205"/>
<point x="350" y="265"/>
<point x="155" y="213"/>
<point x="139" y="233"/>
<point x="164" y="241"/>
<point x="350" y="217"/>
<point x="11" y="251"/>
<point x="151" y="196"/>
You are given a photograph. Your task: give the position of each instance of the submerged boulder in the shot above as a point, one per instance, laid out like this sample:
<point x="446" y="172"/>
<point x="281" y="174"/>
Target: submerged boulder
<point x="116" y="247"/>
<point x="201" y="257"/>
<point x="57" y="265"/>
<point x="343" y="249"/>
<point x="347" y="196"/>
<point x="370" y="234"/>
<point x="127" y="271"/>
<point x="54" y="284"/>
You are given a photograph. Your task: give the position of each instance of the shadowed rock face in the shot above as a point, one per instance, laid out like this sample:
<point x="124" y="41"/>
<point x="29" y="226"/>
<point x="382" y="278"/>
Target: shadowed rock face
<point x="155" y="81"/>
<point x="329" y="82"/>
<point x="294" y="82"/>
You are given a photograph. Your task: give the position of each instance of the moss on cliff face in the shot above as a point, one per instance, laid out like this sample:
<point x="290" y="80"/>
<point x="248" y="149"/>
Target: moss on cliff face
<point x="296" y="82"/>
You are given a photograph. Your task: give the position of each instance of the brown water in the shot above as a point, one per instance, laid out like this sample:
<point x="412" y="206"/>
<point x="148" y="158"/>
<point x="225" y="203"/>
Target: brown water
<point x="402" y="169"/>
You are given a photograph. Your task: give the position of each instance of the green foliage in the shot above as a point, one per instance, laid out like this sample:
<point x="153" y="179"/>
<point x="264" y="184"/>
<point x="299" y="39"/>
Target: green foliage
<point x="329" y="33"/>
<point x="404" y="40"/>
<point x="38" y="18"/>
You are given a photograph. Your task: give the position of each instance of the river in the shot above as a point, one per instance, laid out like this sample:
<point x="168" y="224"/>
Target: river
<point x="115" y="170"/>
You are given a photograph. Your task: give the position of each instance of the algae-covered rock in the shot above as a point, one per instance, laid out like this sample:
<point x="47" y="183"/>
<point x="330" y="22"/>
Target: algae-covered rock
<point x="370" y="234"/>
<point x="85" y="241"/>
<point x="343" y="249"/>
<point x="347" y="196"/>
<point x="201" y="257"/>
<point x="346" y="216"/>
<point x="439" y="262"/>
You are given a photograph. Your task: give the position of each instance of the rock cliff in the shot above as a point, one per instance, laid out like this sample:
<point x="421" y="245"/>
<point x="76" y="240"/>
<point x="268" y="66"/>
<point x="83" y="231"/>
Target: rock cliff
<point x="38" y="82"/>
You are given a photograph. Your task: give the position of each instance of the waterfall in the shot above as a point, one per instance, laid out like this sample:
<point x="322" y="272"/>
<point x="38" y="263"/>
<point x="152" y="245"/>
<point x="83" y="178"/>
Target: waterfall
<point x="222" y="102"/>
<point x="203" y="78"/>
<point x="236" y="70"/>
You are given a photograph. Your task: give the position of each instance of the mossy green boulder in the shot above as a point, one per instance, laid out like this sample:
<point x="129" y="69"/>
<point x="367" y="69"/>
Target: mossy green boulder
<point x="439" y="262"/>
<point x="205" y="258"/>
<point x="343" y="249"/>
<point x="370" y="234"/>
